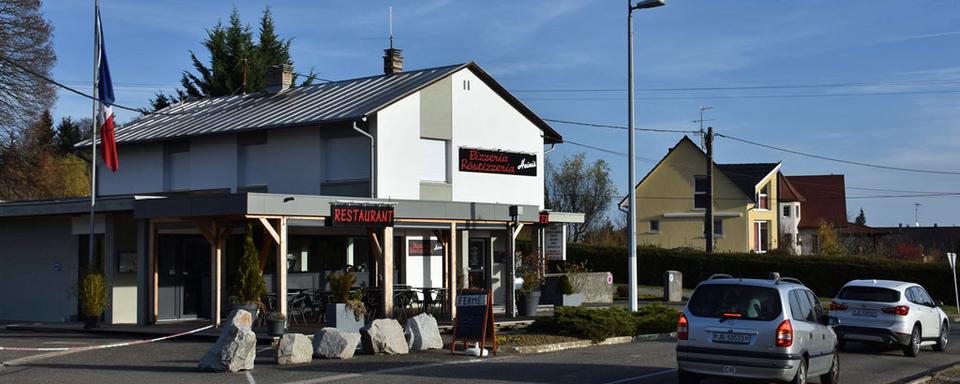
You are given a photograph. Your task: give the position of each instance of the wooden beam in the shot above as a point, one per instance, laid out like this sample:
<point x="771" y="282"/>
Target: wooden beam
<point x="269" y="228"/>
<point x="386" y="302"/>
<point x="377" y="250"/>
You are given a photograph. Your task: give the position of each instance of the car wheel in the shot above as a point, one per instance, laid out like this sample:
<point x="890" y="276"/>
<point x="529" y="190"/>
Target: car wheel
<point x="941" y="344"/>
<point x="913" y="347"/>
<point x="801" y="377"/>
<point x="833" y="376"/>
<point x="687" y="377"/>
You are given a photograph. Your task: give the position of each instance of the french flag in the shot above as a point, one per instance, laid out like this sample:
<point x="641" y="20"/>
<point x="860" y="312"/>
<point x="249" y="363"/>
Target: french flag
<point x="105" y="95"/>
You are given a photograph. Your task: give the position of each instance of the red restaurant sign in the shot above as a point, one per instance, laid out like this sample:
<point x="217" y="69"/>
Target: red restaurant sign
<point x="359" y="215"/>
<point x="499" y="162"/>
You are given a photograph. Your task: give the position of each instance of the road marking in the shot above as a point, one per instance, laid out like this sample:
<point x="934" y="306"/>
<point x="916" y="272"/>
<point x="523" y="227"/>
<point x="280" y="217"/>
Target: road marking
<point x="250" y="378"/>
<point x="329" y="379"/>
<point x="261" y="350"/>
<point x="641" y="377"/>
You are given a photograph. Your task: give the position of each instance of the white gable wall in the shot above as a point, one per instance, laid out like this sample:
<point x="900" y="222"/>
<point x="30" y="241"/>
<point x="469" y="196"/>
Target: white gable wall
<point x="483" y="119"/>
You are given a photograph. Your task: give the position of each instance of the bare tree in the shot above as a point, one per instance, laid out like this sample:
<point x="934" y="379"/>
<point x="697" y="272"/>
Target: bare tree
<point x="580" y="187"/>
<point x="25" y="41"/>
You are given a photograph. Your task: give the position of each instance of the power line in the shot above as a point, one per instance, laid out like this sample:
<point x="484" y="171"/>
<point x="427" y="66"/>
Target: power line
<point x="821" y="157"/>
<point x="801" y="95"/>
<point x="751" y="87"/>
<point x="619" y="126"/>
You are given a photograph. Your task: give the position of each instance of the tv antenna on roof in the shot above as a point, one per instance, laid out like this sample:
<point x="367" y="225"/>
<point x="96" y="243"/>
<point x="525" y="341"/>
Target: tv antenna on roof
<point x="701" y="120"/>
<point x="390" y="26"/>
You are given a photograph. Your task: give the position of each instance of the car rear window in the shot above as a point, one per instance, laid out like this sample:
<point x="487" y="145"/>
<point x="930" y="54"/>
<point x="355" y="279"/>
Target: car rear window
<point x="740" y="301"/>
<point x="883" y="295"/>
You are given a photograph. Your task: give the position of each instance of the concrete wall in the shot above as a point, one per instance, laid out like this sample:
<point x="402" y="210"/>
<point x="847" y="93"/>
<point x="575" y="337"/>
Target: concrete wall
<point x="397" y="129"/>
<point x="668" y="191"/>
<point x="123" y="292"/>
<point x="141" y="171"/>
<point x="38" y="276"/>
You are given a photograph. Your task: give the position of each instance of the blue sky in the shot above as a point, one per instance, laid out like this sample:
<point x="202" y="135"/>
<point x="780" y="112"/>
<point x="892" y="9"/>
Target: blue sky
<point x="905" y="52"/>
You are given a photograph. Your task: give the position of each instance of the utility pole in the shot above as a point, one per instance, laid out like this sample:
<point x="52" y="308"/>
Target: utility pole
<point x="708" y="215"/>
<point x="916" y="214"/>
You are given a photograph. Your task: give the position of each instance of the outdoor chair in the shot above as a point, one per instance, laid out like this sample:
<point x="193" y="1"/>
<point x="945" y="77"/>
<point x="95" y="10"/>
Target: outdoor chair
<point x="297" y="308"/>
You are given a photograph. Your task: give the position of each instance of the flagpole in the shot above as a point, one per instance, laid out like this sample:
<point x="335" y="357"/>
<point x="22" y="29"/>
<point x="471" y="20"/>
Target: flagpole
<point x="91" y="240"/>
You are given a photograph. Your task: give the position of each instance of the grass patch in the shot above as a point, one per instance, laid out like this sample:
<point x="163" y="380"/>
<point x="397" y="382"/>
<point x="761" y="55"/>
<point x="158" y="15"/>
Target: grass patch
<point x="598" y="324"/>
<point x="527" y="339"/>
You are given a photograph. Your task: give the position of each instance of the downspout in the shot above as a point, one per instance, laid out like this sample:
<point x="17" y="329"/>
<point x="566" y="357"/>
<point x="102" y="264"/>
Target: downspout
<point x="546" y="152"/>
<point x="373" y="152"/>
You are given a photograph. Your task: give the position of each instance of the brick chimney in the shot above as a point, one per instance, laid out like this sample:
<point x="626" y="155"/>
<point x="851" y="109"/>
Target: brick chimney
<point x="392" y="60"/>
<point x="279" y="78"/>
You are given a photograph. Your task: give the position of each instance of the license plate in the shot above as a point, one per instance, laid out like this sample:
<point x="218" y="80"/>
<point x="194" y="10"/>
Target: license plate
<point x="865" y="312"/>
<point x="731" y="337"/>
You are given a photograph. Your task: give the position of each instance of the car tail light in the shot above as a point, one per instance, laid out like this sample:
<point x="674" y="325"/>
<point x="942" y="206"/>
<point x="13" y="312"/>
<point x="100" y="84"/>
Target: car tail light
<point x="785" y="334"/>
<point x="683" y="330"/>
<point x="901" y="310"/>
<point x="835" y="306"/>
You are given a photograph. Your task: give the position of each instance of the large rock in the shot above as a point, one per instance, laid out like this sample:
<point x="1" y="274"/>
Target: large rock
<point x="294" y="348"/>
<point x="423" y="333"/>
<point x="236" y="348"/>
<point x="333" y="343"/>
<point x="384" y="336"/>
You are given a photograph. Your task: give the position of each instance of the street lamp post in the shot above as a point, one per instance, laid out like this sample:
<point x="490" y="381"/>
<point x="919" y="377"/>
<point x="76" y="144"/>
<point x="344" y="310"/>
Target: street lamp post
<point x="632" y="154"/>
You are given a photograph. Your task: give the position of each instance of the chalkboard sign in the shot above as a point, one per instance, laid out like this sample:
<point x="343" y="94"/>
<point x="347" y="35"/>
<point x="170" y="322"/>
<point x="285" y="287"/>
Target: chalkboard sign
<point x="474" y="320"/>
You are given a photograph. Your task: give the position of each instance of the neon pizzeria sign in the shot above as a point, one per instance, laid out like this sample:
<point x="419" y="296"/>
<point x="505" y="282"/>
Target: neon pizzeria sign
<point x="498" y="162"/>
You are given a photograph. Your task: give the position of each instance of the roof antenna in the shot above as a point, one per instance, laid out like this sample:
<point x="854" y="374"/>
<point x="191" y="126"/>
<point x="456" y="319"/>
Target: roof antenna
<point x="390" y="26"/>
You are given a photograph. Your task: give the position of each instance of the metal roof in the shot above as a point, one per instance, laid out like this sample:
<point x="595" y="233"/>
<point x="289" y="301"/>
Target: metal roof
<point x="315" y="104"/>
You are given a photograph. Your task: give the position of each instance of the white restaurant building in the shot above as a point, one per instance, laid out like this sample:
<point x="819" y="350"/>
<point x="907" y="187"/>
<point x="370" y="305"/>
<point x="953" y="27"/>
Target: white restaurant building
<point x="444" y="165"/>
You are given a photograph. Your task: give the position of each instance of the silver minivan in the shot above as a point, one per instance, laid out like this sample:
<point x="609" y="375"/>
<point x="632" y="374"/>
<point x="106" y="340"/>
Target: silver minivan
<point x="756" y="329"/>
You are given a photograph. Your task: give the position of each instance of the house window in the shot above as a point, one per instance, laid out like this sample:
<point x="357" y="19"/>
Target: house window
<point x="252" y="162"/>
<point x="654" y="226"/>
<point x="762" y="200"/>
<point x="761" y="236"/>
<point x="700" y="192"/>
<point x="176" y="166"/>
<point x="717" y="227"/>
<point x="786" y="211"/>
<point x="434" y="160"/>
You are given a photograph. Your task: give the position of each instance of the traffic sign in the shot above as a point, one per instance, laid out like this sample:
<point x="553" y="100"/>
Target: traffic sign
<point x="952" y="258"/>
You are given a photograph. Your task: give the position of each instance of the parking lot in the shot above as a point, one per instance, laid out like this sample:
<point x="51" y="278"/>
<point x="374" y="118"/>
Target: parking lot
<point x="175" y="361"/>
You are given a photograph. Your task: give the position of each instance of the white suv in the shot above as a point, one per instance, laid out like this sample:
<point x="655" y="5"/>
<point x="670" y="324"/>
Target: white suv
<point x="891" y="312"/>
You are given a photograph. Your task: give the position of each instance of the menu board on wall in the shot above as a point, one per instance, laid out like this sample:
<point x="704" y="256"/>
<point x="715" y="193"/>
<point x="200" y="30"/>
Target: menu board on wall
<point x="555" y="242"/>
<point x="498" y="162"/>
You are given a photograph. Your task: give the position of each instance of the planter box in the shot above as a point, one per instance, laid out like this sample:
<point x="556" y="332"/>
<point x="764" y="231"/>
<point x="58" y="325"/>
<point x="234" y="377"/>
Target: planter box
<point x="341" y="317"/>
<point x="571" y="300"/>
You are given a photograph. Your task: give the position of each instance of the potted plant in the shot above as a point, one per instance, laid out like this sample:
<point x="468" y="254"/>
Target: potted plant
<point x="569" y="297"/>
<point x="346" y="311"/>
<point x="276" y="323"/>
<point x="92" y="292"/>
<point x="529" y="268"/>
<point x="249" y="286"/>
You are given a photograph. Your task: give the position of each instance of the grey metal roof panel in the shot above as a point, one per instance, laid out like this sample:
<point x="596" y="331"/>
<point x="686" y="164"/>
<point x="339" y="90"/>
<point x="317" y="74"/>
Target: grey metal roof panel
<point x="321" y="103"/>
<point x="316" y="104"/>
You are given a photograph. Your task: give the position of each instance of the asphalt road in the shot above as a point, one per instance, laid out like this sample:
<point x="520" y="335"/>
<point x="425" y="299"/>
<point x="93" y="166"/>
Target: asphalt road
<point x="175" y="362"/>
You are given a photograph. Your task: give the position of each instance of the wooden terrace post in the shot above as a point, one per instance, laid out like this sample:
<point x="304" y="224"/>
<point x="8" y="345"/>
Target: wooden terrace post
<point x="451" y="250"/>
<point x="152" y="272"/>
<point x="216" y="253"/>
<point x="387" y="267"/>
<point x="282" y="267"/>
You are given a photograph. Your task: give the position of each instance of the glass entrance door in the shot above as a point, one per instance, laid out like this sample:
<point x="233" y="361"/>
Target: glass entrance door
<point x="183" y="277"/>
<point x="476" y="262"/>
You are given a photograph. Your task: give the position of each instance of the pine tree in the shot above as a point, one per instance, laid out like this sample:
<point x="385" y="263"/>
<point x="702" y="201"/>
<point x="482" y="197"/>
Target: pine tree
<point x="861" y="218"/>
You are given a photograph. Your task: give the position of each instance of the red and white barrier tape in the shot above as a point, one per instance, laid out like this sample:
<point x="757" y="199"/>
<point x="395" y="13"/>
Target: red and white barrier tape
<point x="92" y="347"/>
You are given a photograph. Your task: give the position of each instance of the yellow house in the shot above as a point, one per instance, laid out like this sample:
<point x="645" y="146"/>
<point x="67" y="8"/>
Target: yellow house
<point x="671" y="203"/>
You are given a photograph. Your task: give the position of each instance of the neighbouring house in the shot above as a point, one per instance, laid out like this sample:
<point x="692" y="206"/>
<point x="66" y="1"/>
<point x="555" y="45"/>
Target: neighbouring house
<point x="929" y="244"/>
<point x="825" y="202"/>
<point x="790" y="202"/>
<point x="419" y="179"/>
<point x="671" y="203"/>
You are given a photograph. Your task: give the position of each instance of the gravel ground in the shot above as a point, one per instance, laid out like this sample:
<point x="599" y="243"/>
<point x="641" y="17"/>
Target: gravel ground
<point x="951" y="375"/>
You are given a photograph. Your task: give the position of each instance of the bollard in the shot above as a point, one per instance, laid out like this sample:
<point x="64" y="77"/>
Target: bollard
<point x="672" y="286"/>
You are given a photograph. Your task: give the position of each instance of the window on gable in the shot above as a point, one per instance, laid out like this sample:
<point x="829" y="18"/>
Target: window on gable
<point x="786" y="211"/>
<point x="434" y="160"/>
<point x="654" y="226"/>
<point x="762" y="199"/>
<point x="717" y="227"/>
<point x="700" y="192"/>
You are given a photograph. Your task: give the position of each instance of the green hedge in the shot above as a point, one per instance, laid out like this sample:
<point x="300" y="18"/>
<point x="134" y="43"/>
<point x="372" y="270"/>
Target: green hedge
<point x="598" y="324"/>
<point x="825" y="275"/>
